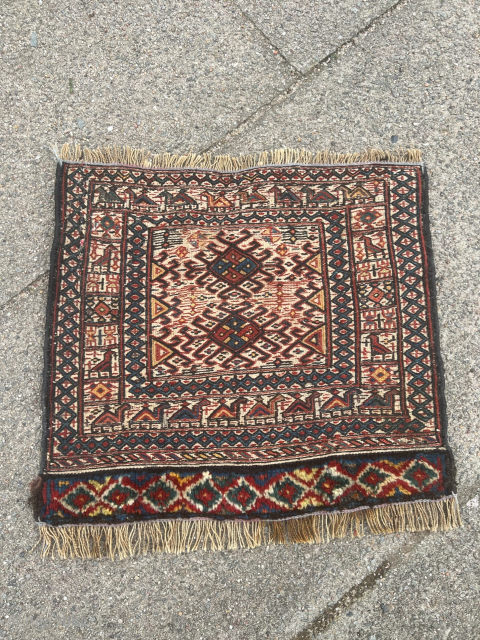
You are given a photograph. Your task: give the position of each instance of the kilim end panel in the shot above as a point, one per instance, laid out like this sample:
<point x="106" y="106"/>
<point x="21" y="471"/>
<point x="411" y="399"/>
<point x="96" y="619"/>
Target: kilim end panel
<point x="249" y="346"/>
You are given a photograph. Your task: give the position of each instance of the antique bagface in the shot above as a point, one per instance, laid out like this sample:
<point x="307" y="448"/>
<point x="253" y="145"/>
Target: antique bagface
<point x="256" y="344"/>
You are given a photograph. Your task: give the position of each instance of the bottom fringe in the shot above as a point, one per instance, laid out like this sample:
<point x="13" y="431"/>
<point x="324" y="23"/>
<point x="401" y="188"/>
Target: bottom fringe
<point x="177" y="536"/>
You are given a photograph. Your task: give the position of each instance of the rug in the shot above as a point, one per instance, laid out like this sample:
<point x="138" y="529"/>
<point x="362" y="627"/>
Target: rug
<point x="240" y="351"/>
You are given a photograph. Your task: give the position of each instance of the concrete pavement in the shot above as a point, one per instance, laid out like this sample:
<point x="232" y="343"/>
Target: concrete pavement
<point x="238" y="77"/>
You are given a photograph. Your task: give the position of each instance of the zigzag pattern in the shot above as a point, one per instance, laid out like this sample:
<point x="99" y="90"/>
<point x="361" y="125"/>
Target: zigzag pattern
<point x="350" y="483"/>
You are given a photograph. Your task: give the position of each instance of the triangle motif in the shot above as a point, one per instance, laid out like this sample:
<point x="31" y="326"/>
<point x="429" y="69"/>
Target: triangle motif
<point x="317" y="339"/>
<point x="159" y="352"/>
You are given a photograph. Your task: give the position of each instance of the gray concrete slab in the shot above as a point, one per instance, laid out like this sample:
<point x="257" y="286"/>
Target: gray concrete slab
<point x="433" y="594"/>
<point x="162" y="75"/>
<point x="309" y="31"/>
<point x="21" y="373"/>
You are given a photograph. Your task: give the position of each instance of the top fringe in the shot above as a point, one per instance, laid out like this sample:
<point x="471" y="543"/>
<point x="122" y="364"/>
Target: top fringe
<point x="146" y="159"/>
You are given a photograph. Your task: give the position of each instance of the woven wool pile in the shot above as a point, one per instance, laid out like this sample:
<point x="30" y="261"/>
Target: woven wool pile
<point x="240" y="351"/>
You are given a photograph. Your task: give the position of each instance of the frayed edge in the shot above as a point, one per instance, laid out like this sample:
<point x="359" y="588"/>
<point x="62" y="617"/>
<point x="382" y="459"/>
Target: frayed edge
<point x="178" y="536"/>
<point x="145" y="159"/>
<point x="35" y="498"/>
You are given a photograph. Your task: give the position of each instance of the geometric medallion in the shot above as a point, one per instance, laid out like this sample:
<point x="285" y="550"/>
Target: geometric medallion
<point x="235" y="333"/>
<point x="234" y="266"/>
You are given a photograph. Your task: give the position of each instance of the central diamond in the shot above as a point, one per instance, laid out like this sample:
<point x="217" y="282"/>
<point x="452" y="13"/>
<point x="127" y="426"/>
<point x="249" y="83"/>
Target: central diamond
<point x="235" y="333"/>
<point x="238" y="296"/>
<point x="234" y="266"/>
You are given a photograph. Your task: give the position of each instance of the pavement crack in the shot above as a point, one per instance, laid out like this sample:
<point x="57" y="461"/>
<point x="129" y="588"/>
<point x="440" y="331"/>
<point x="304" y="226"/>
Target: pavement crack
<point x="325" y="620"/>
<point x="247" y="18"/>
<point x="282" y="95"/>
<point x="32" y="283"/>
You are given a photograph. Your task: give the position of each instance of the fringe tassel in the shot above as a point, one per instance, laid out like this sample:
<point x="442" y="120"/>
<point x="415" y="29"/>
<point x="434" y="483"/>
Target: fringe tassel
<point x="177" y="536"/>
<point x="144" y="158"/>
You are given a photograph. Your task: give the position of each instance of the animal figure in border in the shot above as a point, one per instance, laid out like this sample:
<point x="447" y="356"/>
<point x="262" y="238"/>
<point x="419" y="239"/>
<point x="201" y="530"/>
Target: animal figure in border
<point x="217" y="202"/>
<point x="111" y="420"/>
<point x="379" y="405"/>
<point x="180" y="200"/>
<point x="377" y="348"/>
<point x="303" y="409"/>
<point x="317" y="198"/>
<point x="232" y="414"/>
<point x="285" y="197"/>
<point x="191" y="416"/>
<point x="251" y="198"/>
<point x="266" y="413"/>
<point x="105" y="365"/>
<point x="341" y="404"/>
<point x="150" y="419"/>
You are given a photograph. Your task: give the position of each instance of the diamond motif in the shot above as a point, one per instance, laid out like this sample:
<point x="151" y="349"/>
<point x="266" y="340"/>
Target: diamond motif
<point x="102" y="309"/>
<point x="332" y="484"/>
<point x="100" y="390"/>
<point x="369" y="216"/>
<point x="234" y="266"/>
<point x="120" y="495"/>
<point x="79" y="499"/>
<point x="243" y="496"/>
<point x="235" y="333"/>
<point x="380" y="374"/>
<point x="160" y="494"/>
<point x="286" y="492"/>
<point x="205" y="495"/>
<point x="420" y="475"/>
<point x="373" y="478"/>
<point x="376" y="295"/>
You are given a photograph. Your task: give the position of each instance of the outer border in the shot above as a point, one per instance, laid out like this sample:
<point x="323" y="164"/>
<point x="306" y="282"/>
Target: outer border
<point x="450" y="476"/>
<point x="52" y="283"/>
<point x="450" y="482"/>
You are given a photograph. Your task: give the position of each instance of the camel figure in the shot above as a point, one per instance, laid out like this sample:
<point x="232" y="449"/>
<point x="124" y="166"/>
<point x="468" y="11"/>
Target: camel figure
<point x="228" y="415"/>
<point x="372" y="249"/>
<point x="251" y="198"/>
<point x="147" y="419"/>
<point x="285" y="198"/>
<point x="109" y="421"/>
<point x="316" y="198"/>
<point x="180" y="200"/>
<point x="262" y="413"/>
<point x="105" y="365"/>
<point x="109" y="198"/>
<point x="144" y="201"/>
<point x="377" y="348"/>
<point x="217" y="202"/>
<point x="303" y="410"/>
<point x="341" y="404"/>
<point x="376" y="404"/>
<point x="103" y="262"/>
<point x="138" y="201"/>
<point x="358" y="194"/>
<point x="194" y="416"/>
